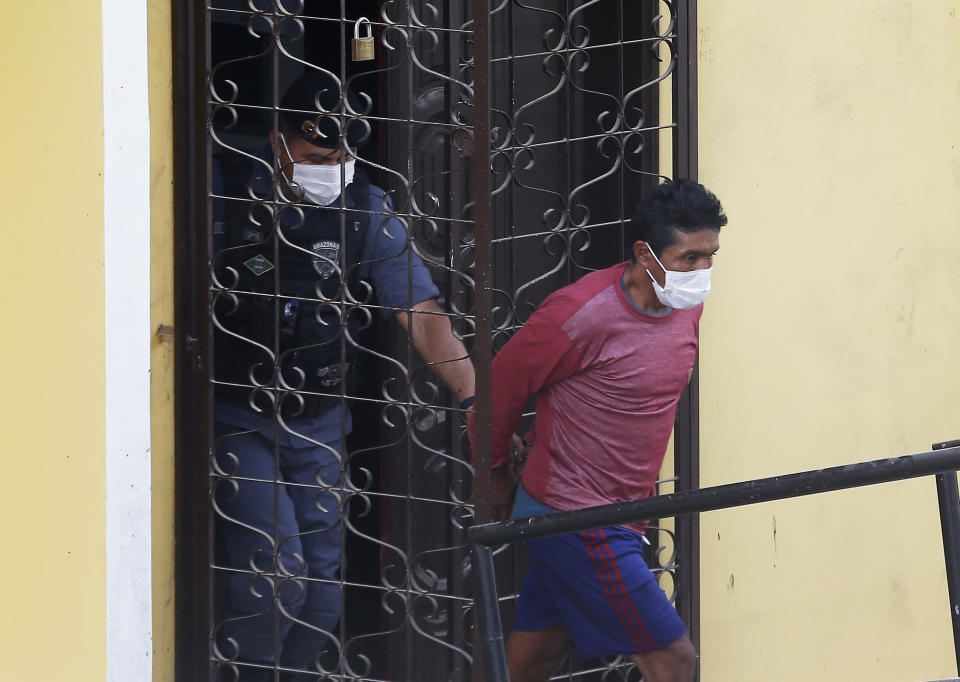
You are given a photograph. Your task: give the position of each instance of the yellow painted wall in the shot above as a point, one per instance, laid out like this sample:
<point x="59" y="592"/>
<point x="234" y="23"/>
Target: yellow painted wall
<point x="52" y="583"/>
<point x="830" y="131"/>
<point x="161" y="313"/>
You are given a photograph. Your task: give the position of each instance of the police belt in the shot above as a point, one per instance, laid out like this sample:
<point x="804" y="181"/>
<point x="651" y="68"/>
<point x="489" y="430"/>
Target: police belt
<point x="301" y="402"/>
<point x="324" y="378"/>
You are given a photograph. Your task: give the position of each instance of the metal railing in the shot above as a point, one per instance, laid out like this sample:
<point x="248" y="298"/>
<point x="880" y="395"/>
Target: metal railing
<point x="943" y="461"/>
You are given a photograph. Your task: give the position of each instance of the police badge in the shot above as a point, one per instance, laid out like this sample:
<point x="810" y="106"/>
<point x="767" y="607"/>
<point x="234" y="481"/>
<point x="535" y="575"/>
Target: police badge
<point x="329" y="252"/>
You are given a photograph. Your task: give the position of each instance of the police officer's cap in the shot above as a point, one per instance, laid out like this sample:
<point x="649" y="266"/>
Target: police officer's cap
<point x="319" y="129"/>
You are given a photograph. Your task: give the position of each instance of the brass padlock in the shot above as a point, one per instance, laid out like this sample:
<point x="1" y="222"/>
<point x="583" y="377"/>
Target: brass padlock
<point x="363" y="48"/>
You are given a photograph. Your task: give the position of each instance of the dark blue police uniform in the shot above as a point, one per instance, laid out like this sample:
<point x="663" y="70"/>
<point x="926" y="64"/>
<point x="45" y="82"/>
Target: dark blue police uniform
<point x="278" y="476"/>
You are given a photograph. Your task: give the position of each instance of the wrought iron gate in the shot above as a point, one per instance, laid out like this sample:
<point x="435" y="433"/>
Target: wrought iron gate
<point x="511" y="139"/>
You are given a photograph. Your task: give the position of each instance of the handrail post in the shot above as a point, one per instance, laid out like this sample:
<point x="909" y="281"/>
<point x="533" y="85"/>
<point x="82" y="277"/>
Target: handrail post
<point x="949" y="498"/>
<point x="488" y="606"/>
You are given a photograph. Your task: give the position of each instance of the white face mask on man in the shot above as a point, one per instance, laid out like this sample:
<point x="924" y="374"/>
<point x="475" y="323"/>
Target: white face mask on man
<point x="681" y="290"/>
<point x="320" y="183"/>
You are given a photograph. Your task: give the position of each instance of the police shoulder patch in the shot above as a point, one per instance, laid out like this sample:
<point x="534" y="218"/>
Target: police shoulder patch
<point x="258" y="265"/>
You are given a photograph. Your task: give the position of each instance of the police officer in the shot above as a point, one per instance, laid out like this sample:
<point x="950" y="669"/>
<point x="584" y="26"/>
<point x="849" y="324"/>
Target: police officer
<point x="299" y="261"/>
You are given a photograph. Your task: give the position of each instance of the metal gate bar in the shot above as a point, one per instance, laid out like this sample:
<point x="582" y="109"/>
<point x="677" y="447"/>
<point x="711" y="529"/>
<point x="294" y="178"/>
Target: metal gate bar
<point x="192" y="389"/>
<point x="483" y="347"/>
<point x="482" y="229"/>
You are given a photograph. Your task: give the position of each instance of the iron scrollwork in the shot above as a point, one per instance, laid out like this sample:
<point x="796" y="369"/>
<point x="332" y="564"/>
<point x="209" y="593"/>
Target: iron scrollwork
<point x="576" y="129"/>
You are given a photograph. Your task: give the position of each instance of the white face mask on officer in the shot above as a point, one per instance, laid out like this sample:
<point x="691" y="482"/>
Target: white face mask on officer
<point x="681" y="290"/>
<point x="320" y="183"/>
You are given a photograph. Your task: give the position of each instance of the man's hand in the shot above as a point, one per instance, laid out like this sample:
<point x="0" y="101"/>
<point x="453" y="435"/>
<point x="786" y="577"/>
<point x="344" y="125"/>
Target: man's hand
<point x="504" y="480"/>
<point x="503" y="488"/>
<point x="519" y="449"/>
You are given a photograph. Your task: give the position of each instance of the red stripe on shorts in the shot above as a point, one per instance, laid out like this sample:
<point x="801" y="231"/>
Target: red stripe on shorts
<point x="623" y="591"/>
<point x="607" y="581"/>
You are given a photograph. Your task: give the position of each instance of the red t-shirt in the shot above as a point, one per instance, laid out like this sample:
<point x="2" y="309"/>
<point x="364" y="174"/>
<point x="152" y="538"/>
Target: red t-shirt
<point x="607" y="378"/>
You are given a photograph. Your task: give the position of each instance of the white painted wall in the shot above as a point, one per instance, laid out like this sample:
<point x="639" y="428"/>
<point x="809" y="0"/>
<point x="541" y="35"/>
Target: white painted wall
<point x="126" y="123"/>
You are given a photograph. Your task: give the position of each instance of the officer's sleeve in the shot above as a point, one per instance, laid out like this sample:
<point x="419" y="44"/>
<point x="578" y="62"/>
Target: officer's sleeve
<point x="398" y="274"/>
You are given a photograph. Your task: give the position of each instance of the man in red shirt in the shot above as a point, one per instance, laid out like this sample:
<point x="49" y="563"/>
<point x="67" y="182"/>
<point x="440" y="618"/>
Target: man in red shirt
<point x="607" y="359"/>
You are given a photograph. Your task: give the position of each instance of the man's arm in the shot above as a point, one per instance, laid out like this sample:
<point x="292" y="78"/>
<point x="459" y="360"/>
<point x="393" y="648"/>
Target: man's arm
<point x="429" y="329"/>
<point x="539" y="355"/>
<point x="400" y="278"/>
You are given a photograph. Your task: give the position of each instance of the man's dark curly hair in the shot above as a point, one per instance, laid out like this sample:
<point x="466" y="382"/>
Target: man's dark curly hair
<point x="682" y="205"/>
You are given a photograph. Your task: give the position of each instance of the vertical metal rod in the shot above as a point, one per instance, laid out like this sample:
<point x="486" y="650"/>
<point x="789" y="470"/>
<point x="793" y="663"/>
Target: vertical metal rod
<point x="687" y="432"/>
<point x="277" y="274"/>
<point x="488" y="610"/>
<point x="483" y="351"/>
<point x="949" y="498"/>
<point x="483" y="347"/>
<point x="409" y="506"/>
<point x="344" y="473"/>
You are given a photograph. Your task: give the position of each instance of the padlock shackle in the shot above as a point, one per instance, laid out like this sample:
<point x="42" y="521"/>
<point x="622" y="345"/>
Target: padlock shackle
<point x="356" y="28"/>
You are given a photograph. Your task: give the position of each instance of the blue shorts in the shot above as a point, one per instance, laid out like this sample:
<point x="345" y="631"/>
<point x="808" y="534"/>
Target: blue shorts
<point x="598" y="585"/>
